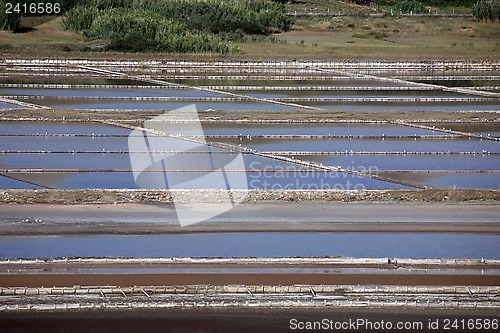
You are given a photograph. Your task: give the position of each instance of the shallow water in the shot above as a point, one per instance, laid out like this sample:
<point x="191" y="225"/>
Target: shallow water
<point x="11" y="183"/>
<point x="72" y="80"/>
<point x="156" y="105"/>
<point x="409" y="162"/>
<point x="8" y="106"/>
<point x="254" y="180"/>
<point x="52" y="92"/>
<point x="409" y="106"/>
<point x="383" y="244"/>
<point x="63" y="143"/>
<point x="369" y="145"/>
<point x="314" y="129"/>
<point x="69" y="158"/>
<point x="272" y="270"/>
<point x="72" y="143"/>
<point x="298" y="83"/>
<point x="484" y="129"/>
<point x="473" y="180"/>
<point x="42" y="127"/>
<point x="350" y="94"/>
<point x="462" y="83"/>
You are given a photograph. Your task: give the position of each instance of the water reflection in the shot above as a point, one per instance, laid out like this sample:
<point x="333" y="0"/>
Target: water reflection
<point x="383" y="244"/>
<point x="116" y="92"/>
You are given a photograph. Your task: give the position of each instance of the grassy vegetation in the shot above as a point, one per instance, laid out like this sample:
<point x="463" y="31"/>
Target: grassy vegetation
<point x="9" y="22"/>
<point x="409" y="7"/>
<point x="386" y="38"/>
<point x="487" y="10"/>
<point x="324" y="37"/>
<point x="176" y="26"/>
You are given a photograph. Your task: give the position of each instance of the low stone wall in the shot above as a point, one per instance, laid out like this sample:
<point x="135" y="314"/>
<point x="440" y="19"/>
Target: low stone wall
<point x="207" y="296"/>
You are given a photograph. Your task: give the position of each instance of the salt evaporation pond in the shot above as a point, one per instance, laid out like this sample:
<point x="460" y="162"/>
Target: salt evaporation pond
<point x="42" y="127"/>
<point x="351" y="94"/>
<point x="369" y="145"/>
<point x="103" y="104"/>
<point x="279" y="244"/>
<point x="484" y="129"/>
<point x="448" y="180"/>
<point x="408" y="106"/>
<point x="340" y="129"/>
<point x="103" y="93"/>
<point x="94" y="161"/>
<point x="408" y="162"/>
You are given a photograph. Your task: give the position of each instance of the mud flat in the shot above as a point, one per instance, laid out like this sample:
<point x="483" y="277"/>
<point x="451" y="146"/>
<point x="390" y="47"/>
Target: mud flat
<point x="136" y="219"/>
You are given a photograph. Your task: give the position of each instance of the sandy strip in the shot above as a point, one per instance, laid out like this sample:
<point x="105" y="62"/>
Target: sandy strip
<point x="42" y="219"/>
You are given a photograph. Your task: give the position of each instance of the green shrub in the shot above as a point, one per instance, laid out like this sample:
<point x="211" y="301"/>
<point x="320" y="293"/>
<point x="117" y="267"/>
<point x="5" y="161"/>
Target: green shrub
<point x="107" y="4"/>
<point x="10" y="21"/>
<point x="119" y="22"/>
<point x="134" y="30"/>
<point x="409" y="6"/>
<point x="487" y="10"/>
<point x="80" y="18"/>
<point x="435" y="3"/>
<point x="155" y="25"/>
<point x="249" y="16"/>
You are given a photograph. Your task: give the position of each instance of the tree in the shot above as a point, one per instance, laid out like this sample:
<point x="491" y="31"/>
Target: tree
<point x="487" y="10"/>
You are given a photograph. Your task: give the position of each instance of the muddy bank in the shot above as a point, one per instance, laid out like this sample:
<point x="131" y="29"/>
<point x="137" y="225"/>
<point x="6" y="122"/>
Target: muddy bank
<point x="276" y="216"/>
<point x="250" y="116"/>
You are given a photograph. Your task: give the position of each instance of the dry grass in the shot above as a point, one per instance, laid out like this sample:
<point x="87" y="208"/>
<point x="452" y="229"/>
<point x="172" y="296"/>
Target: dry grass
<point x="347" y="37"/>
<point x="46" y="38"/>
<point x="386" y="38"/>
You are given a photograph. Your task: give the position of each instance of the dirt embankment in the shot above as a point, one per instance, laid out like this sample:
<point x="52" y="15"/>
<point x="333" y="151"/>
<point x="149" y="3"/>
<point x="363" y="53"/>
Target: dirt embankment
<point x="135" y="117"/>
<point x="69" y="197"/>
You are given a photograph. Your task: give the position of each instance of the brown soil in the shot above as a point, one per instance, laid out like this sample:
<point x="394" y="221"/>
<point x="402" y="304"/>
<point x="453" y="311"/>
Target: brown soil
<point x="138" y="116"/>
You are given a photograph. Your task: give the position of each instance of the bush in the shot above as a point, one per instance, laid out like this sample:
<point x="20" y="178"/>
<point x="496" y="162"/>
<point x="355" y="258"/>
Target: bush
<point x="107" y="4"/>
<point x="487" y="10"/>
<point x="249" y="16"/>
<point x="134" y="30"/>
<point x="155" y="25"/>
<point x="11" y="21"/>
<point x="435" y="3"/>
<point x="118" y="22"/>
<point x="80" y="18"/>
<point x="409" y="6"/>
